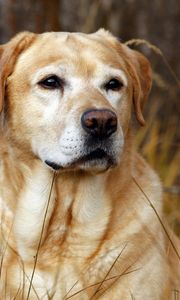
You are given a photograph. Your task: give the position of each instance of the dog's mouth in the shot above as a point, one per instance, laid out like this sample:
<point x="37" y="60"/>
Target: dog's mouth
<point x="95" y="158"/>
<point x="94" y="155"/>
<point x="53" y="165"/>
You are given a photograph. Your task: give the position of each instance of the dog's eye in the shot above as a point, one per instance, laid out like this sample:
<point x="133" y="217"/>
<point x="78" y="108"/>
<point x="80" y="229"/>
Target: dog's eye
<point x="51" y="82"/>
<point x="113" y="85"/>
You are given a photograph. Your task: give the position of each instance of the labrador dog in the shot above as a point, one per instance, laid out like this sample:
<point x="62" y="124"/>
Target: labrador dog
<point x="81" y="211"/>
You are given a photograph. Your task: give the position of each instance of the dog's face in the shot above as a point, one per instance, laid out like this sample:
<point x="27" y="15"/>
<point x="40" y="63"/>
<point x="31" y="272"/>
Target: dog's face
<point x="68" y="98"/>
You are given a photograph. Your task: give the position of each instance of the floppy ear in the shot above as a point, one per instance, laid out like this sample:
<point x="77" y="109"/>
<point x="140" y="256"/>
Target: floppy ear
<point x="8" y="55"/>
<point x="141" y="74"/>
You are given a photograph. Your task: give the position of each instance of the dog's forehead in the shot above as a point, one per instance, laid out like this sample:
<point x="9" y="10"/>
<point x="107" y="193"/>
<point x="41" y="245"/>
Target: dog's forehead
<point x="76" y="43"/>
<point x="74" y="48"/>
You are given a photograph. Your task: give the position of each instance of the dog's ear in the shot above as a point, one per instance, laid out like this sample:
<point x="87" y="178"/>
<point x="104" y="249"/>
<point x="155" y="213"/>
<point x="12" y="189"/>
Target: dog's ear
<point x="8" y="55"/>
<point x="141" y="74"/>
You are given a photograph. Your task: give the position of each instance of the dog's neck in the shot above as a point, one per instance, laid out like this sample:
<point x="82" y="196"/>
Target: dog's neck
<point x="52" y="211"/>
<point x="57" y="207"/>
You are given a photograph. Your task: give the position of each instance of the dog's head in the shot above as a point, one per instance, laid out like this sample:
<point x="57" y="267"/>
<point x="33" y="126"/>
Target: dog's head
<point x="67" y="97"/>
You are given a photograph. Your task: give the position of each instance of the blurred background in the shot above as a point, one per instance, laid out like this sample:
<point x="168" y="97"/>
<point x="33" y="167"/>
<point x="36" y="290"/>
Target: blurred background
<point x="158" y="22"/>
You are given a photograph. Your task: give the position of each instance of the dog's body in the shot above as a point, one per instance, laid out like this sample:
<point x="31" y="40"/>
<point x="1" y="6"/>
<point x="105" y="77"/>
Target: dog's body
<point x="90" y="230"/>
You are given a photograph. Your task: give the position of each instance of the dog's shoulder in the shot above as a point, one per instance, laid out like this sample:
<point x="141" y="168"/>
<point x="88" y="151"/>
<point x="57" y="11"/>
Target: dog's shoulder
<point x="145" y="176"/>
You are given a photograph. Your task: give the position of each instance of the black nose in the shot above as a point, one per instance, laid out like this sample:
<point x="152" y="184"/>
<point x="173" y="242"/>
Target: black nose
<point x="99" y="123"/>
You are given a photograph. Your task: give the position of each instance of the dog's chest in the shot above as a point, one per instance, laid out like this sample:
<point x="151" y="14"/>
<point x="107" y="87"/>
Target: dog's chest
<point x="77" y="277"/>
<point x="76" y="225"/>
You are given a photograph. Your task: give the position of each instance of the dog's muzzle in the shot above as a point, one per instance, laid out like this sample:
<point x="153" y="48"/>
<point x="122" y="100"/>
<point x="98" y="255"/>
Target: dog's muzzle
<point x="99" y="147"/>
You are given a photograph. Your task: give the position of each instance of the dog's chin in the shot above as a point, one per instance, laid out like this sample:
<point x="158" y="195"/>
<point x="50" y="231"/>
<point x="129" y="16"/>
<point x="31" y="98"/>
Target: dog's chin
<point x="95" y="161"/>
<point x="96" y="166"/>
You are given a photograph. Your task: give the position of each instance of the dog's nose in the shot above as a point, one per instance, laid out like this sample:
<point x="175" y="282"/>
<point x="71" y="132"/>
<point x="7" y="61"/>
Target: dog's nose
<point x="99" y="123"/>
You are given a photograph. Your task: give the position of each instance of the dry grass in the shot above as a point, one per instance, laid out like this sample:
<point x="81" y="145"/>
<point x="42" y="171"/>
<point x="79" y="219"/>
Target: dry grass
<point x="158" y="142"/>
<point x="160" y="150"/>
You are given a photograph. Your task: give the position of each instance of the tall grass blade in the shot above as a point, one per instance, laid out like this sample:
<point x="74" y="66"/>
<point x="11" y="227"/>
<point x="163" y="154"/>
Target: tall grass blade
<point x="40" y="240"/>
<point x="158" y="51"/>
<point x="161" y="222"/>
<point x="112" y="266"/>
